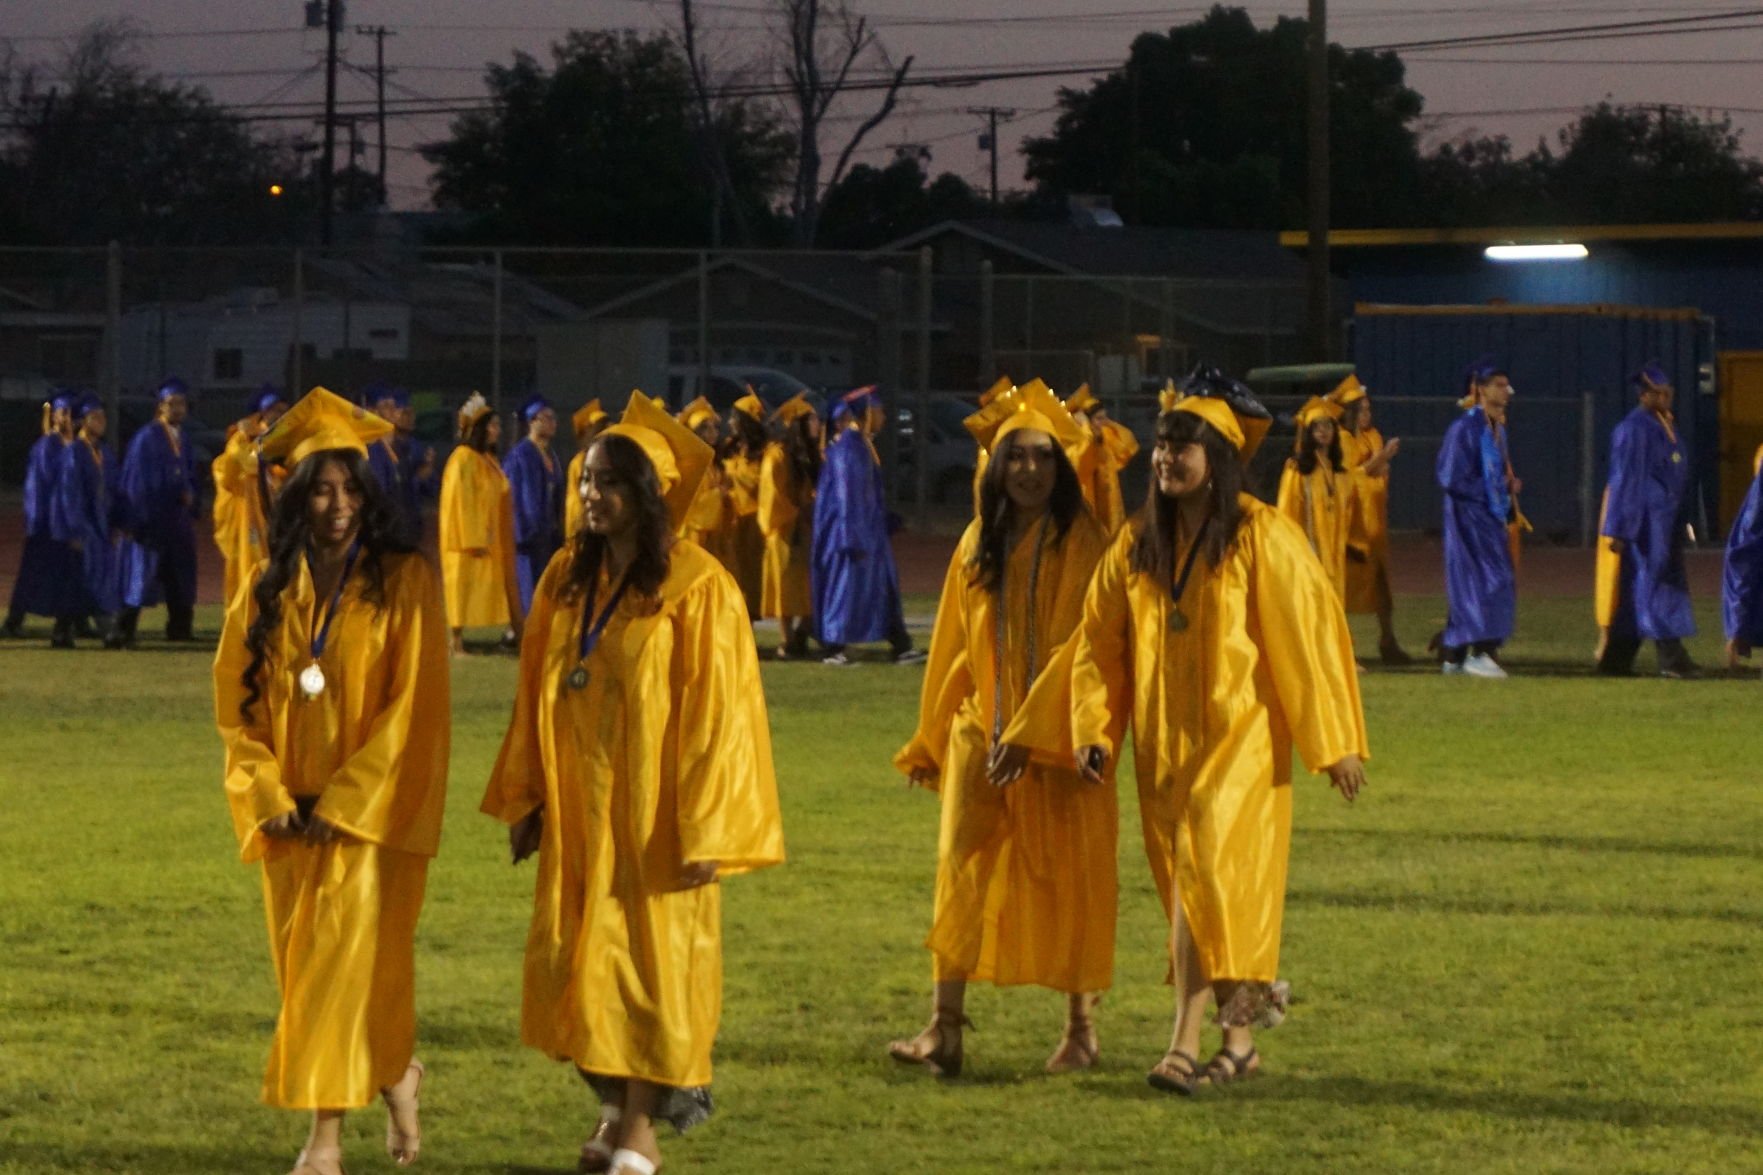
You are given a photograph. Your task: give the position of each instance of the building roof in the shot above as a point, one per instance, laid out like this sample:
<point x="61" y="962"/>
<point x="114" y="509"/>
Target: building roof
<point x="1235" y="255"/>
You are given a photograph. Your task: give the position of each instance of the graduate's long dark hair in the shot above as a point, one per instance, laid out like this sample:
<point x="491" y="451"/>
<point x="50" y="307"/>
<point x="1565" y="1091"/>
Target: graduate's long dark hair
<point x="994" y="511"/>
<point x="803" y="452"/>
<point x="746" y="435"/>
<point x="290" y="533"/>
<point x="1154" y="553"/>
<point x="1310" y="453"/>
<point x="478" y="435"/>
<point x="654" y="529"/>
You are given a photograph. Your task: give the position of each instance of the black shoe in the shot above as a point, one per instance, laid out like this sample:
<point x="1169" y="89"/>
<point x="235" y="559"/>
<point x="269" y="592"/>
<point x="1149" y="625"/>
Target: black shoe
<point x="62" y="640"/>
<point x="86" y="629"/>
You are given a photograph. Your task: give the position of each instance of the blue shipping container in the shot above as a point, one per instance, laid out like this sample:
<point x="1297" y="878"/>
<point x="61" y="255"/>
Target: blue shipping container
<point x="1412" y="358"/>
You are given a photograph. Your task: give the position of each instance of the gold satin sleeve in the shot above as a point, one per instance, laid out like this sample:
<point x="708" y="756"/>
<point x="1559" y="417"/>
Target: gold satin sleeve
<point x="948" y="676"/>
<point x="778" y="509"/>
<point x="392" y="790"/>
<point x="1303" y="628"/>
<point x="1290" y="499"/>
<point x="466" y="523"/>
<point x="727" y="805"/>
<point x="254" y="789"/>
<point x="1122" y="445"/>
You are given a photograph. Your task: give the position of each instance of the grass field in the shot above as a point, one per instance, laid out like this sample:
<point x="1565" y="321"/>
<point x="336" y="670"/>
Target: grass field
<point x="1532" y="946"/>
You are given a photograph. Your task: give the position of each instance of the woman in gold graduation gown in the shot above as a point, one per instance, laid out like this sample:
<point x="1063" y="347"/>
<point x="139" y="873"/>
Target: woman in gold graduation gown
<point x="1315" y="491"/>
<point x="1026" y="876"/>
<point x="241" y="528"/>
<point x="477" y="529"/>
<point x="589" y="421"/>
<point x="331" y="695"/>
<point x="1211" y="629"/>
<point x="710" y="521"/>
<point x="742" y="463"/>
<point x="788" y="476"/>
<point x="638" y="766"/>
<point x="1367" y="457"/>
<point x="1099" y="455"/>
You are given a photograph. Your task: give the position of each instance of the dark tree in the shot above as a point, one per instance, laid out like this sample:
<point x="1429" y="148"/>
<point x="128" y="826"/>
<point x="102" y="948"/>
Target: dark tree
<point x="600" y="149"/>
<point x="97" y="149"/>
<point x="1204" y="125"/>
<point x="872" y="205"/>
<point x="1641" y="165"/>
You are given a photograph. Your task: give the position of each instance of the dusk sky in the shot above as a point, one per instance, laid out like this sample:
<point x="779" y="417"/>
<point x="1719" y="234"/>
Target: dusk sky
<point x="441" y="46"/>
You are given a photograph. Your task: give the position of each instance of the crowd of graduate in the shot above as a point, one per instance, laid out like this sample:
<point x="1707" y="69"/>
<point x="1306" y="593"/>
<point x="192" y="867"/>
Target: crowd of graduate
<point x="1208" y="627"/>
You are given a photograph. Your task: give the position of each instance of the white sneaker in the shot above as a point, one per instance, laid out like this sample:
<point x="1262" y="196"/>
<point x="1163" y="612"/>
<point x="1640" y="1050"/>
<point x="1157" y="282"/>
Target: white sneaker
<point x="1482" y="665"/>
<point x="1451" y="668"/>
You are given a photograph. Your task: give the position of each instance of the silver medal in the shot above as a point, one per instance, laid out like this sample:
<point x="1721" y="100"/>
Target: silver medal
<point x="312" y="680"/>
<point x="578" y="679"/>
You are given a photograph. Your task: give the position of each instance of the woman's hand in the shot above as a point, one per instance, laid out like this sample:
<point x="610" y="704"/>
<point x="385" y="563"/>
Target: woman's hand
<point x="1006" y="764"/>
<point x="697" y="873"/>
<point x="1090" y="762"/>
<point x="1347" y="777"/>
<point x="320" y="831"/>
<point x="925" y="777"/>
<point x="287" y="826"/>
<point x="525" y="834"/>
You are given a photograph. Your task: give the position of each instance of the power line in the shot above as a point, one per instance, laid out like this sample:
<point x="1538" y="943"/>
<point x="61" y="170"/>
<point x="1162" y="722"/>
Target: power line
<point x="1655" y="26"/>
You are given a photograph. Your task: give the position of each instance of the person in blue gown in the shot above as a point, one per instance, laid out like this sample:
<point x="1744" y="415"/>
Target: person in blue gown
<point x="1475" y="472"/>
<point x="856" y="586"/>
<point x="1643" y="520"/>
<point x="48" y="569"/>
<point x="421" y="482"/>
<point x="156" y="503"/>
<point x="1741" y="584"/>
<point x="81" y="514"/>
<point x="398" y="460"/>
<point x="535" y="477"/>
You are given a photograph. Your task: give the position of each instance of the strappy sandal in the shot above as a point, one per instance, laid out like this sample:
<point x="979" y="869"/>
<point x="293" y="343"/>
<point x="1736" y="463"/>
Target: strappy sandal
<point x="629" y="1162"/>
<point x="1080" y="1047"/>
<point x="320" y="1161"/>
<point x="1165" y="1076"/>
<point x="403" y="1126"/>
<point x="942" y="1058"/>
<point x="1226" y="1066"/>
<point x="597" y="1151"/>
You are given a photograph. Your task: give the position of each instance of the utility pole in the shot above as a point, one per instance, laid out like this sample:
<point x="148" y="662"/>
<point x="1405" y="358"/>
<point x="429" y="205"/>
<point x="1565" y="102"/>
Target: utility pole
<point x="1321" y="327"/>
<point x="379" y="33"/>
<point x="333" y="27"/>
<point x="989" y="141"/>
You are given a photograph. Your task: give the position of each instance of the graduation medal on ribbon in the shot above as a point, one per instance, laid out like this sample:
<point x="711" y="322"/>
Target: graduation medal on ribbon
<point x="1178" y="620"/>
<point x="312" y="681"/>
<point x="578" y="678"/>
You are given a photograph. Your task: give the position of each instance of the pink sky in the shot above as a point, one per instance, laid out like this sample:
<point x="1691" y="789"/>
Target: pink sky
<point x="441" y="46"/>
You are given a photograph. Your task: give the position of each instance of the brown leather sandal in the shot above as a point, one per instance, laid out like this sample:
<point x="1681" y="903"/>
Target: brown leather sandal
<point x="1165" y="1076"/>
<point x="1226" y="1066"/>
<point x="1080" y="1048"/>
<point x="937" y="1048"/>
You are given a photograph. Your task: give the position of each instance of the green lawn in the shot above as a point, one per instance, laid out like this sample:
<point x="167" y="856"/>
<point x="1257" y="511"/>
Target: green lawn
<point x="1532" y="946"/>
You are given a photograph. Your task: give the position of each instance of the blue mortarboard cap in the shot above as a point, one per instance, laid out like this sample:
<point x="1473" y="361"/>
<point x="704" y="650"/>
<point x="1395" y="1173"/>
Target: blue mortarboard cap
<point x="63" y="399"/>
<point x="373" y="392"/>
<point x="1651" y="375"/>
<point x="860" y="400"/>
<point x="267" y="397"/>
<point x="1481" y="370"/>
<point x="86" y="401"/>
<point x="533" y="406"/>
<point x="173" y="386"/>
<point x="400" y="396"/>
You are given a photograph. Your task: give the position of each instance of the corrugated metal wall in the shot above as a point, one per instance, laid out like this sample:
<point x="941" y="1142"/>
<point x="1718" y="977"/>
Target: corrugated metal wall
<point x="1412" y="359"/>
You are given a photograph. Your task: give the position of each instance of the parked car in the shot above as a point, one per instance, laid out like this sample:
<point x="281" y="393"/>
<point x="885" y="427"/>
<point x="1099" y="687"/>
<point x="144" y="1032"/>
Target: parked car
<point x="951" y="452"/>
<point x="729" y="383"/>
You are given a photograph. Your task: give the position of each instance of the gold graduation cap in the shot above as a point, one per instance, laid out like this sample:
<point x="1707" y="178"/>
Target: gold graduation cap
<point x="1082" y="400"/>
<point x="1003" y="385"/>
<point x="1349" y="391"/>
<point x="1314" y="409"/>
<point x="586" y="417"/>
<point x="320" y="421"/>
<point x="1225" y="404"/>
<point x="1033" y="405"/>
<point x="679" y="455"/>
<point x="695" y="413"/>
<point x="751" y="405"/>
<point x="793" y="409"/>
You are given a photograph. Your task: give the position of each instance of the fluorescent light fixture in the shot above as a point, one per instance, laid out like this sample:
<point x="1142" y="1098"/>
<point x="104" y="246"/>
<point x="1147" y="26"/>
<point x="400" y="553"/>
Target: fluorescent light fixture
<point x="1561" y="252"/>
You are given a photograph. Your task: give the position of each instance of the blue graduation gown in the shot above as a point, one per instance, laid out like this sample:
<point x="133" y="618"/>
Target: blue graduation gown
<point x="160" y="525"/>
<point x="48" y="582"/>
<point x="414" y="489"/>
<point x="538" y="513"/>
<point x="1643" y="503"/>
<point x="851" y="563"/>
<point x="1479" y="581"/>
<point x="1741" y="601"/>
<point x="390" y="461"/>
<point x="81" y="513"/>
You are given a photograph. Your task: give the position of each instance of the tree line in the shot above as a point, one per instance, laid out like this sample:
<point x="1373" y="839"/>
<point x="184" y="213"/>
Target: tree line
<point x="625" y="138"/>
